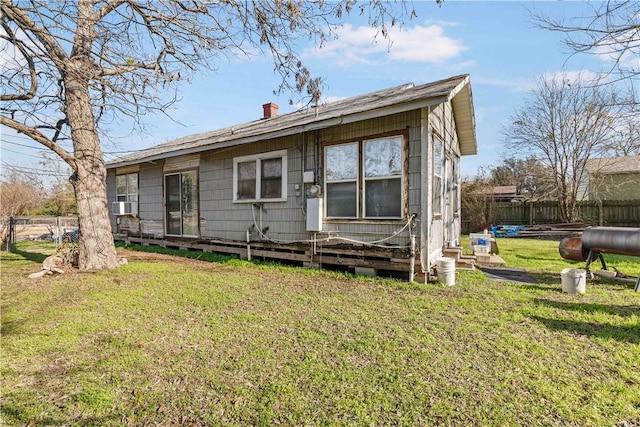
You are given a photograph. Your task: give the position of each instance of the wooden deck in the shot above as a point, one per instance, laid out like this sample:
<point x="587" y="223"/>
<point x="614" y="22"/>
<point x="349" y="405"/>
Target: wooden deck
<point x="352" y="258"/>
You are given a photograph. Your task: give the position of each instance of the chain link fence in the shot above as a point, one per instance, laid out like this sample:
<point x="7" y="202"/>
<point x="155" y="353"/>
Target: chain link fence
<point x="49" y="228"/>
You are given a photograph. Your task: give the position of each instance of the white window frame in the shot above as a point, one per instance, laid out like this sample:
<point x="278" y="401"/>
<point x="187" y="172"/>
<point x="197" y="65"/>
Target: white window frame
<point x="388" y="177"/>
<point x="356" y="180"/>
<point x="128" y="195"/>
<point x="361" y="180"/>
<point x="258" y="158"/>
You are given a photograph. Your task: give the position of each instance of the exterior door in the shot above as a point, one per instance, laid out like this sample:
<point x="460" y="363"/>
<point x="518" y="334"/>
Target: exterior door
<point x="181" y="204"/>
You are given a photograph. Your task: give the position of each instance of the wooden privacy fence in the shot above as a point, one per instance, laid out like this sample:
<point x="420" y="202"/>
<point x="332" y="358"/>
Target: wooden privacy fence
<point x="612" y="213"/>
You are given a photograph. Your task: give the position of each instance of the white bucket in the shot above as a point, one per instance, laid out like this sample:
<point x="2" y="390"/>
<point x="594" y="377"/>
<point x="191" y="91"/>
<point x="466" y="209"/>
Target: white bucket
<point x="574" y="280"/>
<point x="446" y="268"/>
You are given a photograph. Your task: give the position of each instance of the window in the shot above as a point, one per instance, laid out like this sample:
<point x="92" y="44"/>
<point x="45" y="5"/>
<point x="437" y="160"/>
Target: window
<point x="261" y="177"/>
<point x="341" y="174"/>
<point x="383" y="178"/>
<point x="181" y="204"/>
<point x="127" y="188"/>
<point x="438" y="159"/>
<point x="380" y="163"/>
<point x="456" y="185"/>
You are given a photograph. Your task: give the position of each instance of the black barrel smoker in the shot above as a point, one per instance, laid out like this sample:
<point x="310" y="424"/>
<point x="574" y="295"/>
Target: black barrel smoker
<point x="596" y="241"/>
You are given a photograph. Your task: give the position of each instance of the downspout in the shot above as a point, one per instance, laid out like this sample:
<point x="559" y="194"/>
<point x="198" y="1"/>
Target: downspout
<point x="425" y="194"/>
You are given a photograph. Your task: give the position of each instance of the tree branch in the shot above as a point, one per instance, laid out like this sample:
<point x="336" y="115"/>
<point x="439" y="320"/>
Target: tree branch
<point x="26" y="24"/>
<point x="41" y="138"/>
<point x="33" y="87"/>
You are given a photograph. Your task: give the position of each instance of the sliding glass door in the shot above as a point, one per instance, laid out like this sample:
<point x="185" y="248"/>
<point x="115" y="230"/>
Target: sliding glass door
<point x="181" y="204"/>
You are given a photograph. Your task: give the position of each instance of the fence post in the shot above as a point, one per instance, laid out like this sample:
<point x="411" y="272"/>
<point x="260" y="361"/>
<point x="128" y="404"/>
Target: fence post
<point x="11" y="241"/>
<point x="59" y="231"/>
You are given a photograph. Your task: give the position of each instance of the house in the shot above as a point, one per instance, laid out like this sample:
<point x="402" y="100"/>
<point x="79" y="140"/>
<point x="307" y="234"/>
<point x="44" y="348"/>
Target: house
<point x="369" y="183"/>
<point x="506" y="193"/>
<point x="614" y="178"/>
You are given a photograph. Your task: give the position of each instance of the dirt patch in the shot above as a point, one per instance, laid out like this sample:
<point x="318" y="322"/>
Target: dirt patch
<point x="152" y="256"/>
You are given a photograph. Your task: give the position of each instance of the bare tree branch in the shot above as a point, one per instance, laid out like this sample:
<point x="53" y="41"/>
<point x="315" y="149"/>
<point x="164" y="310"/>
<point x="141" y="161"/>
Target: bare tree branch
<point x="611" y="32"/>
<point x="39" y="137"/>
<point x="33" y="87"/>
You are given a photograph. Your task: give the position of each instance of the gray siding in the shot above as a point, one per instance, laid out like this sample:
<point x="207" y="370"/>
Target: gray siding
<point x="222" y="219"/>
<point x="111" y="196"/>
<point x="446" y="232"/>
<point x="226" y="220"/>
<point x="400" y="123"/>
<point x="150" y="192"/>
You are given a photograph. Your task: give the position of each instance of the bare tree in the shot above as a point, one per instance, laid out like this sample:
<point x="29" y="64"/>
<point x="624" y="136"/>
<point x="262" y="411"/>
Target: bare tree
<point x="562" y="124"/>
<point x="58" y="194"/>
<point x="18" y="195"/>
<point x="611" y="31"/>
<point x="531" y="178"/>
<point x="478" y="204"/>
<point x="72" y="66"/>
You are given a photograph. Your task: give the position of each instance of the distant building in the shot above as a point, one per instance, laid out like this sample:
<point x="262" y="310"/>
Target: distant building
<point x="614" y="178"/>
<point x="506" y="193"/>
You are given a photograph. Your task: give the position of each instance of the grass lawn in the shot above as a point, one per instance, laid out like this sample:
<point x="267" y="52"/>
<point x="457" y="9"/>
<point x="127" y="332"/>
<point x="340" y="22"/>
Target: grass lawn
<point x="217" y="341"/>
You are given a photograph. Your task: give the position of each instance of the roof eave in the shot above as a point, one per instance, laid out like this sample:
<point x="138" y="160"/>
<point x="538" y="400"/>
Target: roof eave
<point x="462" y="101"/>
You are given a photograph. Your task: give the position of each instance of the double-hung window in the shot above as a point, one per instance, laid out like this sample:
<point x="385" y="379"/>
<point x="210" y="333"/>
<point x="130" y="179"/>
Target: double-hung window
<point x="260" y="177"/>
<point x="127" y="187"/>
<point x="363" y="179"/>
<point x="341" y="172"/>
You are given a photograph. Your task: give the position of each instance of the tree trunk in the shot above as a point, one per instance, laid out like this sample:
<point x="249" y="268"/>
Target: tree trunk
<point x="96" y="246"/>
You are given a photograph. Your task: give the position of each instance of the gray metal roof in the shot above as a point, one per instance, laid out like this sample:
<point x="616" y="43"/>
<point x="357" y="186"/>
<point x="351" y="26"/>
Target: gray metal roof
<point x="372" y="105"/>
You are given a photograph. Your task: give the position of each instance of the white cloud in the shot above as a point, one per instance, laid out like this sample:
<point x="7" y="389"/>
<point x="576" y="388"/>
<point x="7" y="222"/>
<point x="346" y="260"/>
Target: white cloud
<point x="527" y="84"/>
<point x="442" y="23"/>
<point x="625" y="57"/>
<point x="575" y="76"/>
<point x="422" y="44"/>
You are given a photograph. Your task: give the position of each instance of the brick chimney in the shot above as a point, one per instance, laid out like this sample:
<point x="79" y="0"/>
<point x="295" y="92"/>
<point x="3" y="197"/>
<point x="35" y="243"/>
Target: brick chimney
<point x="270" y="110"/>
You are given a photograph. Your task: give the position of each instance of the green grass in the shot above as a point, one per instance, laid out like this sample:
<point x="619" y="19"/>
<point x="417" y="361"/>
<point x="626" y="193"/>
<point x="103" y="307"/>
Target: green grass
<point x="177" y="341"/>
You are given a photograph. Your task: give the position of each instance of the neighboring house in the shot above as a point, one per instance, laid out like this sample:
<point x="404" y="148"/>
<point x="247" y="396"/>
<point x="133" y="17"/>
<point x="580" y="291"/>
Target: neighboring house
<point x="506" y="193"/>
<point x="615" y="178"/>
<point x="350" y="183"/>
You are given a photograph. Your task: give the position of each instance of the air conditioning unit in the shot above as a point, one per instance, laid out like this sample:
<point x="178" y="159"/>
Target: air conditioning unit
<point x="124" y="208"/>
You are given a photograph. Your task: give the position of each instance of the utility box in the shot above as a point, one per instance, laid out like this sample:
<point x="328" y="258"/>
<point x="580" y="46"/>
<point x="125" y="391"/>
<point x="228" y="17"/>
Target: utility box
<point x="308" y="177"/>
<point x="314" y="214"/>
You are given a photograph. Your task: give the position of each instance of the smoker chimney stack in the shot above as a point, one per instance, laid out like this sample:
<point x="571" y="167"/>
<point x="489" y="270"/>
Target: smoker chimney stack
<point x="270" y="110"/>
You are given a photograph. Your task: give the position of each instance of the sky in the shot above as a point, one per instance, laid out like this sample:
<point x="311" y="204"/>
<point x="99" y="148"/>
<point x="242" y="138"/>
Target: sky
<point x="496" y="43"/>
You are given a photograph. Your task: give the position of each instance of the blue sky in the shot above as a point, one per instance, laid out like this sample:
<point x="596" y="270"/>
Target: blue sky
<point x="495" y="42"/>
